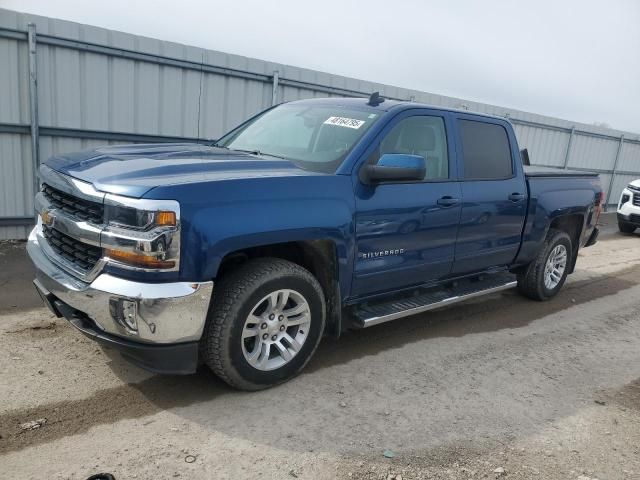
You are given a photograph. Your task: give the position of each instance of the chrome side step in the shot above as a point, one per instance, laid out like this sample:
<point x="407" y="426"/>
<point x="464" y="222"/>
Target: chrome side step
<point x="374" y="314"/>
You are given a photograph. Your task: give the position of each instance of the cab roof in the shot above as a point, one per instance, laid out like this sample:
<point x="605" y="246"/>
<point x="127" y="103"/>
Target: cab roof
<point x="387" y="105"/>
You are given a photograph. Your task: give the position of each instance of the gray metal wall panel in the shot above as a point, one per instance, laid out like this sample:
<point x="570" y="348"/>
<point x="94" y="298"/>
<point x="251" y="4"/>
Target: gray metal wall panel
<point x="90" y="91"/>
<point x="14" y="233"/>
<point x="66" y="91"/>
<point x="546" y="147"/>
<point x="94" y="94"/>
<point x="213" y="105"/>
<point x="630" y="158"/>
<point x="122" y="94"/>
<point x="147" y="92"/>
<point x="14" y="81"/>
<point x="593" y="152"/>
<point x="16" y="181"/>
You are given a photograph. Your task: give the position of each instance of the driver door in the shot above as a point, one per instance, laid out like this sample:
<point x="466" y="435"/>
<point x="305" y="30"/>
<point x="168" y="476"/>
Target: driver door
<point x="406" y="231"/>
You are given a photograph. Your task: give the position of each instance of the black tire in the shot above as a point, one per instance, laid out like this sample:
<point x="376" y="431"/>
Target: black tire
<point x="531" y="280"/>
<point x="233" y="300"/>
<point x="626" y="227"/>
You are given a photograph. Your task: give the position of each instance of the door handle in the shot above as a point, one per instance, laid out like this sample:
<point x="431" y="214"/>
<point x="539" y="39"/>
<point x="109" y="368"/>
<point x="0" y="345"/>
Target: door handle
<point x="516" y="197"/>
<point x="448" y="201"/>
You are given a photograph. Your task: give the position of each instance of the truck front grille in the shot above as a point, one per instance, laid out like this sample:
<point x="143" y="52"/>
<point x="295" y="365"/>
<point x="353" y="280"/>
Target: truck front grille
<point x="636" y="199"/>
<point x="78" y="208"/>
<point x="82" y="255"/>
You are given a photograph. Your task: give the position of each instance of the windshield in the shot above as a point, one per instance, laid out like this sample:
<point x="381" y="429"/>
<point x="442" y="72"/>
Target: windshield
<point x="316" y="138"/>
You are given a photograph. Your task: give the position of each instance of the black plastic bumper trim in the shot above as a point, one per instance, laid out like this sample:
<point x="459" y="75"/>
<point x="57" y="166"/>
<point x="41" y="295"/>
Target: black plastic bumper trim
<point x="172" y="359"/>
<point x="630" y="219"/>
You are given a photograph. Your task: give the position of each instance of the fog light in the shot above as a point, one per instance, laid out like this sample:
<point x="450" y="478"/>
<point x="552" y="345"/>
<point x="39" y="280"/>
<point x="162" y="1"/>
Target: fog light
<point x="130" y="314"/>
<point x="125" y="312"/>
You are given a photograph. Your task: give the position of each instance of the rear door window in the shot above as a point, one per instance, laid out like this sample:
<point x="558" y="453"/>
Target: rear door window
<point x="486" y="151"/>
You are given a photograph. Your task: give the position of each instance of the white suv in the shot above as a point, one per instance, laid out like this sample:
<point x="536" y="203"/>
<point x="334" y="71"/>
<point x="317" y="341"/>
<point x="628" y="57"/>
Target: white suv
<point x="629" y="208"/>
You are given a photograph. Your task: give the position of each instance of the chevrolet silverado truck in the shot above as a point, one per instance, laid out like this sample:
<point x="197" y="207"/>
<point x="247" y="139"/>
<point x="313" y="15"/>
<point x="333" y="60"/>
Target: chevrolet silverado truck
<point x="309" y="219"/>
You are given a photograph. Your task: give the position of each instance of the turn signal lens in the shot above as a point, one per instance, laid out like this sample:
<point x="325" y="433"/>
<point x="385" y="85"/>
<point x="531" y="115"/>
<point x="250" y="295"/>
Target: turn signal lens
<point x="166" y="218"/>
<point x="138" y="260"/>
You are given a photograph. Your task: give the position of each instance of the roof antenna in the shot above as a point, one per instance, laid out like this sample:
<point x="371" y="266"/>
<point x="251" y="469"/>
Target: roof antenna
<point x="375" y="99"/>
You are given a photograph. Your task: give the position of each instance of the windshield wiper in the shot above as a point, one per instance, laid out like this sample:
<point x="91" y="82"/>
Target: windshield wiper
<point x="257" y="152"/>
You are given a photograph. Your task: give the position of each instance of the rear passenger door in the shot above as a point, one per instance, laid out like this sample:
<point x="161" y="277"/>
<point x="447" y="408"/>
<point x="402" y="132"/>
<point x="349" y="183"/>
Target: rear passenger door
<point x="494" y="195"/>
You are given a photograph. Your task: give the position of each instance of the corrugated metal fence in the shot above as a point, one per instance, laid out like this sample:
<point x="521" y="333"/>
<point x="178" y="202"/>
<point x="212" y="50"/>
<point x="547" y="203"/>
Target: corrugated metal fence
<point x="66" y="86"/>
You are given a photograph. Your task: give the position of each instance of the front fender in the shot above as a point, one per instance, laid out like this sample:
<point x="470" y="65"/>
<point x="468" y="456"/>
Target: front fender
<point x="226" y="216"/>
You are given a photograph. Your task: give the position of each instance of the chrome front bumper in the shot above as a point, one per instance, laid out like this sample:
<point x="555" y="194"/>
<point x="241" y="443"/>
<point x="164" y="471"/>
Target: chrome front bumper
<point x="167" y="313"/>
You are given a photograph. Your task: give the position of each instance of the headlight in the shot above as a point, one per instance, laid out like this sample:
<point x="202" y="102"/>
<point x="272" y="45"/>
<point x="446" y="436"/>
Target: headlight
<point x="142" y="234"/>
<point x="625" y="198"/>
<point x="128" y="217"/>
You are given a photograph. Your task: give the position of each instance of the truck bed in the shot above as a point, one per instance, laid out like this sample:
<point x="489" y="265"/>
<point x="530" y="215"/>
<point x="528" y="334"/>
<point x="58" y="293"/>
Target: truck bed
<point x="537" y="171"/>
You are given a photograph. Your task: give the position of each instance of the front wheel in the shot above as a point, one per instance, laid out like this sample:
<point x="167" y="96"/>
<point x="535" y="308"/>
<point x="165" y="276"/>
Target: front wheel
<point x="265" y="323"/>
<point x="544" y="277"/>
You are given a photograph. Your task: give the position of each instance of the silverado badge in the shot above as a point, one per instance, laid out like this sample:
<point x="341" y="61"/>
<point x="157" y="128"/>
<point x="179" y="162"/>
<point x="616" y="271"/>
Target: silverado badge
<point x="382" y="253"/>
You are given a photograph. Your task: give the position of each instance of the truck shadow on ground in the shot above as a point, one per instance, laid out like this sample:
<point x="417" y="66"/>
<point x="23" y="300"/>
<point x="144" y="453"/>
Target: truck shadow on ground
<point x="157" y="393"/>
<point x="486" y="314"/>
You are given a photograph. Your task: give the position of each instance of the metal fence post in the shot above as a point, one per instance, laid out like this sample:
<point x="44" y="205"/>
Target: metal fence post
<point x="33" y="103"/>
<point x="568" y="152"/>
<point x="615" y="167"/>
<point x="274" y="92"/>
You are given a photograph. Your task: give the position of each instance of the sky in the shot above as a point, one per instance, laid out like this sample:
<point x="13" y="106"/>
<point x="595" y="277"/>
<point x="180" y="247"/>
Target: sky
<point x="574" y="59"/>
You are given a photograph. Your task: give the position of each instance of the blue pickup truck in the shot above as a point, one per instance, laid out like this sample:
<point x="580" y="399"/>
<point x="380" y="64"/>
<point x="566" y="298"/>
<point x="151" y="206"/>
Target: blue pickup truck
<point x="312" y="217"/>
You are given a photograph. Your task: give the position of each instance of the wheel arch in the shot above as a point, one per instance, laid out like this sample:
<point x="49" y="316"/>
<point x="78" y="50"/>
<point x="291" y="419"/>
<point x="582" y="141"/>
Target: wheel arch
<point x="572" y="224"/>
<point x="319" y="256"/>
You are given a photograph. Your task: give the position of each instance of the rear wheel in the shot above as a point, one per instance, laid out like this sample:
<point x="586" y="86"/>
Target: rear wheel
<point x="626" y="227"/>
<point x="265" y="323"/>
<point x="544" y="277"/>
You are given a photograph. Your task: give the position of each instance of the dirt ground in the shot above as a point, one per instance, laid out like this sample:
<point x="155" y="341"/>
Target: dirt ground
<point x="500" y="387"/>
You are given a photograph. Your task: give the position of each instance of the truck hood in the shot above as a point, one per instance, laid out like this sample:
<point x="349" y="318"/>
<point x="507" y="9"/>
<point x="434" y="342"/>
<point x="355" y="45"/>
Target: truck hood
<point x="133" y="170"/>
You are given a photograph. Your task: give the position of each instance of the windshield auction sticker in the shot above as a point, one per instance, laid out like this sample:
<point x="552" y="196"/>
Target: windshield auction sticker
<point x="344" y="122"/>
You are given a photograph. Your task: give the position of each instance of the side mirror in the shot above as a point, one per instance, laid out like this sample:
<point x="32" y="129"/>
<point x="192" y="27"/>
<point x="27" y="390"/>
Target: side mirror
<point x="396" y="167"/>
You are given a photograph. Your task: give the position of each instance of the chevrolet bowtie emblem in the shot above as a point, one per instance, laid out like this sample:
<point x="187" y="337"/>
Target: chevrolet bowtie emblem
<point x="47" y="218"/>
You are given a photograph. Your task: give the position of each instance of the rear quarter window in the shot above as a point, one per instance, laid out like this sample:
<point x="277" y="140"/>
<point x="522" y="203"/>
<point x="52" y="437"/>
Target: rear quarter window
<point x="485" y="149"/>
